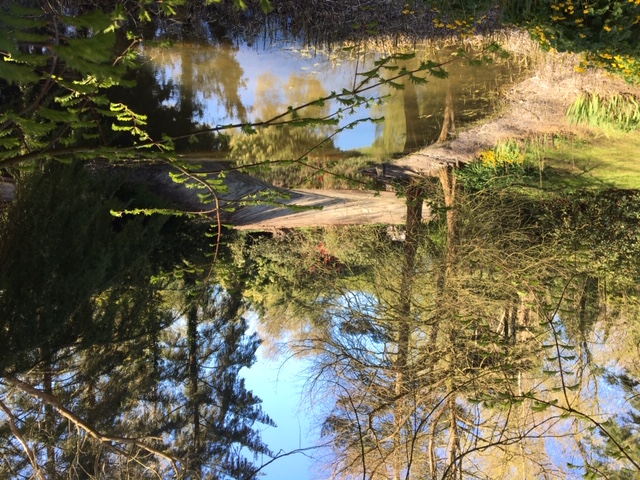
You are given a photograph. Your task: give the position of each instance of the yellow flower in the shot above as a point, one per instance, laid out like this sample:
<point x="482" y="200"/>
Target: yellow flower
<point x="607" y="28"/>
<point x="488" y="158"/>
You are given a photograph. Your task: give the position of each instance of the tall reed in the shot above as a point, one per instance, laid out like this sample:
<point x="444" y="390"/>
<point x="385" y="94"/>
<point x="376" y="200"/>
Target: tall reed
<point x="618" y="111"/>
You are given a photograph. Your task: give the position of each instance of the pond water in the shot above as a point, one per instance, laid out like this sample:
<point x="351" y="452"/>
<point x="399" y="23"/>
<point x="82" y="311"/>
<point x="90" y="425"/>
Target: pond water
<point x="496" y="337"/>
<point x="357" y="348"/>
<point x="226" y="84"/>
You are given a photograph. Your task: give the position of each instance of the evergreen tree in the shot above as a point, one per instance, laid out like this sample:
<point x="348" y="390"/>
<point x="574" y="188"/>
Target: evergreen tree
<point x="69" y="266"/>
<point x="96" y="381"/>
<point x="211" y="414"/>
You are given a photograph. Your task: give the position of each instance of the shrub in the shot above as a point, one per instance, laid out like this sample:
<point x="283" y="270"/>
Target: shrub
<point x="500" y="167"/>
<point x="606" y="32"/>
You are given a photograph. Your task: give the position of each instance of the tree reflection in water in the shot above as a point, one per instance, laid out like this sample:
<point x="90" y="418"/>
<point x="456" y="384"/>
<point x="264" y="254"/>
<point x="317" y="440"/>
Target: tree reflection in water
<point x="474" y="349"/>
<point x="496" y="338"/>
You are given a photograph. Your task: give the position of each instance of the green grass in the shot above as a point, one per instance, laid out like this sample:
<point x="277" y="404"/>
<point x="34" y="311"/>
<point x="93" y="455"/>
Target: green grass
<point x="604" y="161"/>
<point x="552" y="163"/>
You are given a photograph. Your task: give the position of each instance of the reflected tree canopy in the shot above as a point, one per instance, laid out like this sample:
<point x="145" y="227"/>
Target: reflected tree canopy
<point x="472" y="348"/>
<point x="492" y="335"/>
<point x="116" y="361"/>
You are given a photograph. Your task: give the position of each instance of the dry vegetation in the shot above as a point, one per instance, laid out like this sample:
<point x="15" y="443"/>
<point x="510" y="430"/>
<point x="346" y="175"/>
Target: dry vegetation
<point x="319" y="22"/>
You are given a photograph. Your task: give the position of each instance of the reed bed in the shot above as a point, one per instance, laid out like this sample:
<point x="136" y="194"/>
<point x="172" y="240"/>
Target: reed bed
<point x="619" y="111"/>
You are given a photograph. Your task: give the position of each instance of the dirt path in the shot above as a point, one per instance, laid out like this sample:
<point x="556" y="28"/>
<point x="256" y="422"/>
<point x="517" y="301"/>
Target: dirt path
<point x="338" y="207"/>
<point x="256" y="205"/>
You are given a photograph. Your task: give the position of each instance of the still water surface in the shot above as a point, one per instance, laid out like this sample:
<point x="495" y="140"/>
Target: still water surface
<point x="231" y="83"/>
<point x="498" y="340"/>
<point x="228" y="84"/>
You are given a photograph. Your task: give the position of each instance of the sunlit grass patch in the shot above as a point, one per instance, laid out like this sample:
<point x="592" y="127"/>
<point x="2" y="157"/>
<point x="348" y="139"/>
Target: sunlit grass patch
<point x="553" y="163"/>
<point x="611" y="160"/>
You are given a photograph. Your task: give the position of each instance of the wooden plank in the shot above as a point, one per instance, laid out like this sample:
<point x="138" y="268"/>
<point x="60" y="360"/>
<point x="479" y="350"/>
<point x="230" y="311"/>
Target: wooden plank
<point x="328" y="207"/>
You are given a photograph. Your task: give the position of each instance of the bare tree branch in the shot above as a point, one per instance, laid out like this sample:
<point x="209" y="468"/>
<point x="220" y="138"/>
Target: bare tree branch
<point x="23" y="441"/>
<point x="89" y="429"/>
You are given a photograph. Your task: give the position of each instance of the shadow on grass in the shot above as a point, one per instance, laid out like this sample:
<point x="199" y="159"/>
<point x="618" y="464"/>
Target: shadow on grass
<point x="557" y="179"/>
<point x="605" y="161"/>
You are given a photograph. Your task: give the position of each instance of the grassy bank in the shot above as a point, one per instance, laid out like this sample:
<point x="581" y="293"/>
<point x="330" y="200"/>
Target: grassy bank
<point x="595" y="159"/>
<point x="585" y="159"/>
<point x="601" y="150"/>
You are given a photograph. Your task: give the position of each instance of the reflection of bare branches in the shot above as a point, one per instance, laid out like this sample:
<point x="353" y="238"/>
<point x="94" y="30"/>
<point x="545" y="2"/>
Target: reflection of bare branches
<point x="303" y="451"/>
<point x="23" y="441"/>
<point x="109" y="440"/>
<point x="568" y="408"/>
<point x="529" y="433"/>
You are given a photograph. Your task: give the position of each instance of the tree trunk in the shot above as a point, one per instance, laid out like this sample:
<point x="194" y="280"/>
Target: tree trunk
<point x="453" y="449"/>
<point x="433" y="458"/>
<point x="194" y="403"/>
<point x="448" y="183"/>
<point x="448" y="122"/>
<point x="413" y="139"/>
<point x="49" y="415"/>
<point x="414" y="219"/>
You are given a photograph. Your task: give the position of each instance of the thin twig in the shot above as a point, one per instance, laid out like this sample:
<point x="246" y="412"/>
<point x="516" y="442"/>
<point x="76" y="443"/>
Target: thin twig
<point x="78" y="422"/>
<point x="23" y="441"/>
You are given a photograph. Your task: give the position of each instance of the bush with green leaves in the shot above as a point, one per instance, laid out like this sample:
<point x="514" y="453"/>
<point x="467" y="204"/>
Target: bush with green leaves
<point x="605" y="32"/>
<point x="496" y="168"/>
<point x="58" y="70"/>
